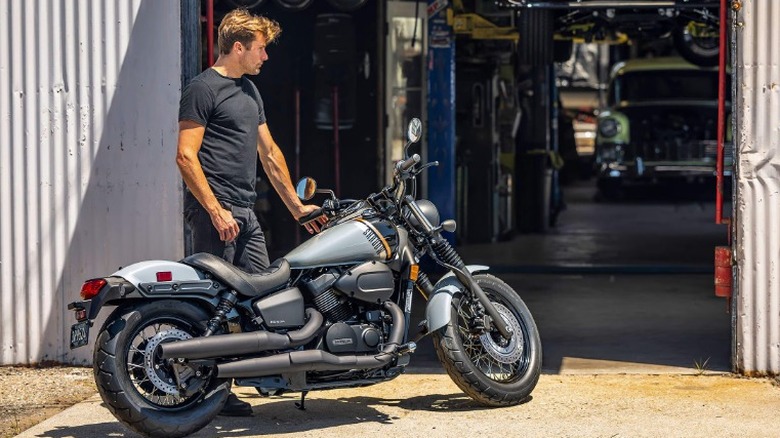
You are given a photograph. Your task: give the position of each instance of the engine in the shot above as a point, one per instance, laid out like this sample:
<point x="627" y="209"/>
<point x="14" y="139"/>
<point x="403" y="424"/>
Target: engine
<point x="356" y="338"/>
<point x="333" y="305"/>
<point x="346" y="298"/>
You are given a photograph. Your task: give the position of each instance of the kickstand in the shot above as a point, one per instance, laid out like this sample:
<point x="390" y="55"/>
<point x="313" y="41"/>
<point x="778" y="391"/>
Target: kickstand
<point x="302" y="405"/>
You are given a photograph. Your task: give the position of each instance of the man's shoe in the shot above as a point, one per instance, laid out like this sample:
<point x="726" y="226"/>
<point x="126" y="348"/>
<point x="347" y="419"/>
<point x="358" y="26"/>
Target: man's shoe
<point x="236" y="408"/>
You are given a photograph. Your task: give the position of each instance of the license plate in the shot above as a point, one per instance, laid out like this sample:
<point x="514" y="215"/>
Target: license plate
<point x="79" y="334"/>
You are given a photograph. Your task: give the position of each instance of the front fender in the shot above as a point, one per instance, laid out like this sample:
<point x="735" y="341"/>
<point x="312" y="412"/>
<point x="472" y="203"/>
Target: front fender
<point x="437" y="312"/>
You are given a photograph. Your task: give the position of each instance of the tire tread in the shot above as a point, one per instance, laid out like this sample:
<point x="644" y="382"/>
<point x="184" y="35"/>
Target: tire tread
<point x="475" y="384"/>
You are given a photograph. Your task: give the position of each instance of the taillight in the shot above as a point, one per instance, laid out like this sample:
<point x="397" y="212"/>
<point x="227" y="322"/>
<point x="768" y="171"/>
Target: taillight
<point x="165" y="276"/>
<point x="91" y="288"/>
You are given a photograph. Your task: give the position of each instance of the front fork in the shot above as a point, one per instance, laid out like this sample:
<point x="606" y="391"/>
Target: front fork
<point x="445" y="255"/>
<point x="498" y="322"/>
<point x="440" y="305"/>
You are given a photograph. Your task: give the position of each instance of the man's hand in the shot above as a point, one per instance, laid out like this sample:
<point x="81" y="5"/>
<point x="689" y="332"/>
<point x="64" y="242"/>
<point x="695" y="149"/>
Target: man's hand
<point x="313" y="226"/>
<point x="225" y="224"/>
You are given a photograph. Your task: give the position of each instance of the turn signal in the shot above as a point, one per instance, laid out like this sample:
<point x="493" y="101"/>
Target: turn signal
<point x="414" y="271"/>
<point x="91" y="288"/>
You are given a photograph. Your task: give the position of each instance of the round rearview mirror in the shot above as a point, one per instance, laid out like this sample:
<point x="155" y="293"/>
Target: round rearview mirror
<point x="306" y="188"/>
<point x="415" y="130"/>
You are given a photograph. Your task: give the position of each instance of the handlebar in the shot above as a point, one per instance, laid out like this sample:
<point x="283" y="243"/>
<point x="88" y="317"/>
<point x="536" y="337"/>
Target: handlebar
<point x="405" y="165"/>
<point x="303" y="220"/>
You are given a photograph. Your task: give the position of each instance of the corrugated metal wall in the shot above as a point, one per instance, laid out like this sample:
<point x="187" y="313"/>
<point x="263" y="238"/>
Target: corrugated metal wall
<point x="88" y="127"/>
<point x="757" y="208"/>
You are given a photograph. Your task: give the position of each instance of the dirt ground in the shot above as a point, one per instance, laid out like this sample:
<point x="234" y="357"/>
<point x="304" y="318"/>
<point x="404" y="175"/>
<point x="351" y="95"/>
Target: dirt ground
<point x="621" y="405"/>
<point x="31" y="395"/>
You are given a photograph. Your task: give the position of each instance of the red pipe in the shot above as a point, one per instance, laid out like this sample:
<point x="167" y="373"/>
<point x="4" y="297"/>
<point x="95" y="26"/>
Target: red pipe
<point x="210" y="31"/>
<point x="721" y="115"/>
<point x="723" y="274"/>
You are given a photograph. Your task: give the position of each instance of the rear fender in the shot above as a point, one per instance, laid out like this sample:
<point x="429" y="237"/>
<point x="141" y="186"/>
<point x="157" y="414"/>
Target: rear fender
<point x="437" y="312"/>
<point x="139" y="282"/>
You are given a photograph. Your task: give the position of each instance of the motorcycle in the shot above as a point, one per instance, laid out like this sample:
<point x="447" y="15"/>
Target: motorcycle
<point x="333" y="313"/>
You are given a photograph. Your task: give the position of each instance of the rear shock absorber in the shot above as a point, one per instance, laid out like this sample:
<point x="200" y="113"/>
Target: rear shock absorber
<point x="223" y="308"/>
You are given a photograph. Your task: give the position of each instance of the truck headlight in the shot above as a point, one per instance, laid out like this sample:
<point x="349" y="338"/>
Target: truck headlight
<point x="609" y="128"/>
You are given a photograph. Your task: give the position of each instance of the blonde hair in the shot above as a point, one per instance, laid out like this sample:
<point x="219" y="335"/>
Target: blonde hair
<point x="241" y="25"/>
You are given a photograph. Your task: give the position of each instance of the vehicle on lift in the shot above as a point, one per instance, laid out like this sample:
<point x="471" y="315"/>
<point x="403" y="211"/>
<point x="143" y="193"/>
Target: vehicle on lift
<point x="547" y="27"/>
<point x="661" y="125"/>
<point x="333" y="313"/>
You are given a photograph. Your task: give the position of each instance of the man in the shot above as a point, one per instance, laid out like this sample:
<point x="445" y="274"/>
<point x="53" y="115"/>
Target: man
<point x="222" y="129"/>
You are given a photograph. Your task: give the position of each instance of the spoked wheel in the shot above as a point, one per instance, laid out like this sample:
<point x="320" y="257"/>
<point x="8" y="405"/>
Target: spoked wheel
<point x="490" y="369"/>
<point x="149" y="394"/>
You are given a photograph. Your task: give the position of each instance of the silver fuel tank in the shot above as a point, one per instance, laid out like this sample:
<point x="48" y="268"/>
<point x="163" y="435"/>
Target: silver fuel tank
<point x="355" y="241"/>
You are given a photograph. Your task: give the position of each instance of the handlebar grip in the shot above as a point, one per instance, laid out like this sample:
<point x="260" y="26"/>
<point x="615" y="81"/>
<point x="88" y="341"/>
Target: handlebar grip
<point x="403" y="166"/>
<point x="311" y="216"/>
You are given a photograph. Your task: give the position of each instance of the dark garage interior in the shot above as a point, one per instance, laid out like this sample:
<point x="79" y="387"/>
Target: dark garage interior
<point x="616" y="284"/>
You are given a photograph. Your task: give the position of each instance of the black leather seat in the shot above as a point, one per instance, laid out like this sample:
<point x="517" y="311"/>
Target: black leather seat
<point x="250" y="285"/>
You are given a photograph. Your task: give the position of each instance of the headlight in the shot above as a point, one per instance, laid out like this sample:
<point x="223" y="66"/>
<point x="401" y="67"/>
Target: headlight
<point x="428" y="209"/>
<point x="609" y="128"/>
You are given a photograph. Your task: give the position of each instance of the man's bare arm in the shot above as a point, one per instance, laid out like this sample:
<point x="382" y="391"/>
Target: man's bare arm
<point x="275" y="167"/>
<point x="190" y="142"/>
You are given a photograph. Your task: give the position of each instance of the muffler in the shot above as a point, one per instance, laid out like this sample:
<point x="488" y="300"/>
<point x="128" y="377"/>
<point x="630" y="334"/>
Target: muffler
<point x="243" y="343"/>
<point x="318" y="360"/>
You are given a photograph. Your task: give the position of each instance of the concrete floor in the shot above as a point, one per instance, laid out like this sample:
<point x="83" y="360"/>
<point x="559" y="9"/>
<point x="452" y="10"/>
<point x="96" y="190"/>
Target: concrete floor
<point x="619" y="287"/>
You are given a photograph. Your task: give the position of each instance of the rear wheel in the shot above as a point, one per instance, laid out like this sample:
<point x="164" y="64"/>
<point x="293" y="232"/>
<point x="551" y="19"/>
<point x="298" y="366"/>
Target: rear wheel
<point x="488" y="368"/>
<point x="149" y="394"/>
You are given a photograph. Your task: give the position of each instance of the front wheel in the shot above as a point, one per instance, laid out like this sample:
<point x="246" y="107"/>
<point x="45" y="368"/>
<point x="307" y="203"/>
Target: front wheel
<point x="488" y="368"/>
<point x="151" y="395"/>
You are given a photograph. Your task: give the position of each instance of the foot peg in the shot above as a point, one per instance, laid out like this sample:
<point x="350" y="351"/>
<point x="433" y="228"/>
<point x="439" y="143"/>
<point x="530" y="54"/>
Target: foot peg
<point x="407" y="348"/>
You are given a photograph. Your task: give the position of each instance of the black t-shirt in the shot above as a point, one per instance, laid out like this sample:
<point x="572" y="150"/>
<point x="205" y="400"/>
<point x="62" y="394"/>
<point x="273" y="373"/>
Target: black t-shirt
<point x="231" y="110"/>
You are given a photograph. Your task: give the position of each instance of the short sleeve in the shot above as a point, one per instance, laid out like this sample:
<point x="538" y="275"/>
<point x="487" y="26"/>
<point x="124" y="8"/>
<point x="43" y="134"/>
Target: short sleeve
<point x="197" y="102"/>
<point x="261" y="110"/>
<point x="255" y="93"/>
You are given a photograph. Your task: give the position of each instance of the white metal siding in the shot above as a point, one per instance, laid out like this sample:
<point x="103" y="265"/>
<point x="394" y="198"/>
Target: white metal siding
<point x="757" y="208"/>
<point x="88" y="126"/>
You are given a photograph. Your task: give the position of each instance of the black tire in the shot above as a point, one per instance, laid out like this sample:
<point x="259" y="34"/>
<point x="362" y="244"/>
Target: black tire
<point x="294" y="5"/>
<point x="535" y="46"/>
<point x="247" y="4"/>
<point x="347" y="5"/>
<point x="457" y="355"/>
<point x="125" y="385"/>
<point x="701" y="51"/>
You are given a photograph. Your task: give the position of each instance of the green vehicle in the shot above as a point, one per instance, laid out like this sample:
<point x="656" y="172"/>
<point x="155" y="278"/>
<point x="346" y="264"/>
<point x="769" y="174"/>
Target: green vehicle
<point x="660" y="126"/>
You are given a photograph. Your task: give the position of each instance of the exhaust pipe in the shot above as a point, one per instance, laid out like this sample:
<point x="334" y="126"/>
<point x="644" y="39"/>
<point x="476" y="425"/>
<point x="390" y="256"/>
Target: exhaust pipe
<point x="242" y="343"/>
<point x="318" y="360"/>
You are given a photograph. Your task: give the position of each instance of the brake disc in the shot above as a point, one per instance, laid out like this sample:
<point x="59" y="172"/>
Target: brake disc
<point x="504" y="351"/>
<point x="160" y="374"/>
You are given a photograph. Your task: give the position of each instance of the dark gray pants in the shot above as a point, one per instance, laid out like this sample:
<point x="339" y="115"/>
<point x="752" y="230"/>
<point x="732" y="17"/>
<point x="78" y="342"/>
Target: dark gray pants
<point x="247" y="251"/>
